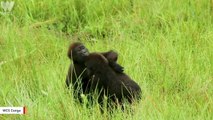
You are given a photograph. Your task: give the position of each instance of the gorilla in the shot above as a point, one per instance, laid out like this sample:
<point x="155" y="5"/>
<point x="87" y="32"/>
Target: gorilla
<point x="117" y="86"/>
<point x="77" y="75"/>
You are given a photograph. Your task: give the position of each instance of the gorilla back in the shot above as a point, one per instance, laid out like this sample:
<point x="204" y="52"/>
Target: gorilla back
<point x="117" y="86"/>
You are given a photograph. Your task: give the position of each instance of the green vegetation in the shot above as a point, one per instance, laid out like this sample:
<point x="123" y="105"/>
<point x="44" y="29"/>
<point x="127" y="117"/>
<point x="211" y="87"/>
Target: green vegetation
<point x="166" y="46"/>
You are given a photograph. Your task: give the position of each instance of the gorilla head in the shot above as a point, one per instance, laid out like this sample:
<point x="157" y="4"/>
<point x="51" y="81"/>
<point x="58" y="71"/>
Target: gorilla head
<point x="77" y="52"/>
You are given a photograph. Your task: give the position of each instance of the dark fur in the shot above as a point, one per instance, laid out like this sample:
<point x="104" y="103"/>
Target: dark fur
<point x="114" y="85"/>
<point x="77" y="75"/>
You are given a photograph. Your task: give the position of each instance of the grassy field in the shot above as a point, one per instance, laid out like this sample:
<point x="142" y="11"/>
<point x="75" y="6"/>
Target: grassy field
<point x="166" y="46"/>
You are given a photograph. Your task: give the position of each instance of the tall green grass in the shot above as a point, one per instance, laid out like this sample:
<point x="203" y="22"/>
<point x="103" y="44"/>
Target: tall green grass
<point x="166" y="46"/>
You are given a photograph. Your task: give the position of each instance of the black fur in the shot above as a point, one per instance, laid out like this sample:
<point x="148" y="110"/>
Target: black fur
<point x="77" y="76"/>
<point x="116" y="86"/>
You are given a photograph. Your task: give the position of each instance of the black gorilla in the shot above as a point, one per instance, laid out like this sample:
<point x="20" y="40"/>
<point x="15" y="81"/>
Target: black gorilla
<point x="116" y="86"/>
<point x="77" y="76"/>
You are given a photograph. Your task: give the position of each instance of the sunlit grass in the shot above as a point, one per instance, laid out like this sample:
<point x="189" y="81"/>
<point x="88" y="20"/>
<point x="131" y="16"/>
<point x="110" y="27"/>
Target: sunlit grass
<point x="165" y="46"/>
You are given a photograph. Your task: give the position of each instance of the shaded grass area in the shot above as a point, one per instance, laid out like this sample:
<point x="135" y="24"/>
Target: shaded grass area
<point x="165" y="46"/>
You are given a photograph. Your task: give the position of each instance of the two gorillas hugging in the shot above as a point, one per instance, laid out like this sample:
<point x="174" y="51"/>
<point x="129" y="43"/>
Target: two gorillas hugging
<point x="99" y="72"/>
